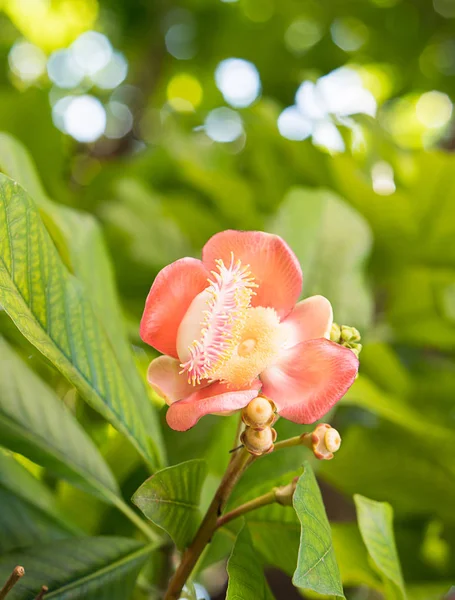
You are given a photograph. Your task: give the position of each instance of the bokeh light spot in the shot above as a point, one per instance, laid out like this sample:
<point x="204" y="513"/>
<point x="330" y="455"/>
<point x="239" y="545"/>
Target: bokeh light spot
<point x="63" y="70"/>
<point x="84" y="118"/>
<point x="327" y="136"/>
<point x="349" y="33"/>
<point x="382" y="178"/>
<point x="293" y="126"/>
<point x="119" y="120"/>
<point x="58" y="111"/>
<point x="51" y="24"/>
<point x="27" y="61"/>
<point x="113" y="73"/>
<point x="340" y="93"/>
<point x="180" y="39"/>
<point x="446" y="8"/>
<point x="258" y="11"/>
<point x="239" y="82"/>
<point x="302" y="34"/>
<point x="310" y="102"/>
<point x="223" y="125"/>
<point x="184" y="93"/>
<point x="434" y="109"/>
<point x="92" y="51"/>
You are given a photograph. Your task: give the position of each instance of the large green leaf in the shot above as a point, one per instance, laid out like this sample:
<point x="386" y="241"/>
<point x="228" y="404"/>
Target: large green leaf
<point x="34" y="422"/>
<point x="317" y="567"/>
<point x="376" y="528"/>
<point x="274" y="529"/>
<point x="352" y="557"/>
<point x="50" y="307"/>
<point x="22" y="524"/>
<point x="76" y="234"/>
<point x="170" y="498"/>
<point x="246" y="573"/>
<point x="332" y="242"/>
<point x="81" y="245"/>
<point x="87" y="568"/>
<point x="29" y="512"/>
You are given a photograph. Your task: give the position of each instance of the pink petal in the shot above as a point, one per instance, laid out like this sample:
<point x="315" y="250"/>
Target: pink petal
<point x="164" y="377"/>
<point x="311" y="319"/>
<point x="310" y="378"/>
<point x="273" y="265"/>
<point x="216" y="398"/>
<point x="172" y="292"/>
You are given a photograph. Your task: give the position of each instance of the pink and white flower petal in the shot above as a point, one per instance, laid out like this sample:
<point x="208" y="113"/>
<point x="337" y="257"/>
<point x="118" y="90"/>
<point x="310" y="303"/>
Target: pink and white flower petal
<point x="216" y="398"/>
<point x="165" y="377"/>
<point x="272" y="263"/>
<point x="310" y="319"/>
<point x="171" y="294"/>
<point x="309" y="379"/>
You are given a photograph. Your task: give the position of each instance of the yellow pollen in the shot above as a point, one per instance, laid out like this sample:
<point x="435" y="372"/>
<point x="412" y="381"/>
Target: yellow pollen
<point x="259" y="346"/>
<point x="246" y="347"/>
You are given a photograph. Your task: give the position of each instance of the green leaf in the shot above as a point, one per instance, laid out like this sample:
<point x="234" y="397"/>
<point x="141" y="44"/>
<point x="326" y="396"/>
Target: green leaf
<point x="90" y="568"/>
<point x="352" y="557"/>
<point x="376" y="528"/>
<point x="246" y="573"/>
<point x="29" y="513"/>
<point x="35" y="423"/>
<point x="274" y="529"/>
<point x="170" y="498"/>
<point x="81" y="245"/>
<point x="23" y="525"/>
<point x="332" y="242"/>
<point x="317" y="567"/>
<point x="50" y="307"/>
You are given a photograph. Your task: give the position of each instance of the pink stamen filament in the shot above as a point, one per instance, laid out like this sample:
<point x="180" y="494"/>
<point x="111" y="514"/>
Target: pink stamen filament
<point x="230" y="296"/>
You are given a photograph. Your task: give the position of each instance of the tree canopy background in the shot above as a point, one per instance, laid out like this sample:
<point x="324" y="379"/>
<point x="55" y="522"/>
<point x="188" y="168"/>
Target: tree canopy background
<point x="329" y="123"/>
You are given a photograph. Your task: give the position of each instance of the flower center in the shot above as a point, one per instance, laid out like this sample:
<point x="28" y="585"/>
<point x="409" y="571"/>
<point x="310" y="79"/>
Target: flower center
<point x="259" y="346"/>
<point x="246" y="347"/>
<point x="212" y="326"/>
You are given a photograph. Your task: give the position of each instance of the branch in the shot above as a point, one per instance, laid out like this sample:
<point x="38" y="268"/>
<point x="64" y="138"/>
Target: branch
<point x="236" y="467"/>
<point x="12" y="580"/>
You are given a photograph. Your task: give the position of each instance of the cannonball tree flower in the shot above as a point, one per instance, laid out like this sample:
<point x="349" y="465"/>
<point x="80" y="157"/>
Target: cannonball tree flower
<point x="230" y="327"/>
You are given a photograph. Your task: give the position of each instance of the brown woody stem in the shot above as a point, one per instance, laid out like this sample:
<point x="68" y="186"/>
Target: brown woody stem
<point x="11" y="582"/>
<point x="236" y="467"/>
<point x="43" y="591"/>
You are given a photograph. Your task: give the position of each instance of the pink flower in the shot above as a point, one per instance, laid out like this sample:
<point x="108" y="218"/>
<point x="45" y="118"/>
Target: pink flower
<point x="229" y="327"/>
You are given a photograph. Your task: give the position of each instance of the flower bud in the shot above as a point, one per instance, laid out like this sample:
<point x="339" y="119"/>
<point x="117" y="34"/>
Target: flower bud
<point x="335" y="333"/>
<point x="285" y="493"/>
<point x="356" y="348"/>
<point x="323" y="441"/>
<point x="349" y="334"/>
<point x="258" y="441"/>
<point x="259" y="413"/>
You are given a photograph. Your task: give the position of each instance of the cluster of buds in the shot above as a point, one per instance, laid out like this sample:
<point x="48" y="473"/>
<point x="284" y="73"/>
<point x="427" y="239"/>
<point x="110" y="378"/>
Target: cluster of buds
<point x="324" y="440"/>
<point x="349" y="337"/>
<point x="259" y="435"/>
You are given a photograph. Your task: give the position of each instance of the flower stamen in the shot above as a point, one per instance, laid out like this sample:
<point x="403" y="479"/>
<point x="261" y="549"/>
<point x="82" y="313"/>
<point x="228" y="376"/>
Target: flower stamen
<point x="229" y="297"/>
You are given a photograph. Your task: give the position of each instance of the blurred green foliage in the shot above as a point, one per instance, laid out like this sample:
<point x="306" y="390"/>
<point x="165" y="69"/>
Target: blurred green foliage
<point x="373" y="227"/>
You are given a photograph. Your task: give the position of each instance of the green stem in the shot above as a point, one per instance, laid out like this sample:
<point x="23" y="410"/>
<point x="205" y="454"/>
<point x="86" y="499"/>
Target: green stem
<point x="269" y="498"/>
<point x="298" y="440"/>
<point x="236" y="467"/>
